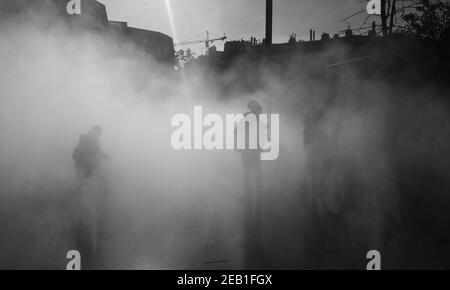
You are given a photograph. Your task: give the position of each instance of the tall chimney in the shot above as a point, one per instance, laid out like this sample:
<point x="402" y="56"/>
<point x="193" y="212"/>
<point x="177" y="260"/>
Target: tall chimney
<point x="269" y="13"/>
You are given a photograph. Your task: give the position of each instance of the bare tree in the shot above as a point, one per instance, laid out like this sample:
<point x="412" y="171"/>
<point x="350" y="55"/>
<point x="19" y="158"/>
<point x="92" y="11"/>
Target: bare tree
<point x="384" y="15"/>
<point x="392" y="14"/>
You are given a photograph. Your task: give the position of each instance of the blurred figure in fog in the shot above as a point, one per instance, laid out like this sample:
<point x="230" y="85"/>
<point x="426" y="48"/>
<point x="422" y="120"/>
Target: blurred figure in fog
<point x="312" y="130"/>
<point x="88" y="154"/>
<point x="251" y="160"/>
<point x="91" y="189"/>
<point x="323" y="198"/>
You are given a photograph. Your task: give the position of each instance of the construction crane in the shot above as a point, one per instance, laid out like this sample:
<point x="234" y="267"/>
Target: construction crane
<point x="206" y="41"/>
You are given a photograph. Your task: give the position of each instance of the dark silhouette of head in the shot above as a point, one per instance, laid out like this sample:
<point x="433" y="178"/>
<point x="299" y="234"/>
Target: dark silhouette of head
<point x="96" y="131"/>
<point x="255" y="107"/>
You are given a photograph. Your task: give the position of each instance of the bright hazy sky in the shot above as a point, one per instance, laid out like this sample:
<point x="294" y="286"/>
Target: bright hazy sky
<point x="237" y="18"/>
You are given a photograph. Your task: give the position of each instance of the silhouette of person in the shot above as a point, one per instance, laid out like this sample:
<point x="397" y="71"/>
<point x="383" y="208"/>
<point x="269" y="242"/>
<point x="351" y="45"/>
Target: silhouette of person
<point x="88" y="154"/>
<point x="90" y="189"/>
<point x="251" y="160"/>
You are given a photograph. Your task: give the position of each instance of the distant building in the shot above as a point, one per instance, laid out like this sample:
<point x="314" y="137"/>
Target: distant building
<point x="92" y="17"/>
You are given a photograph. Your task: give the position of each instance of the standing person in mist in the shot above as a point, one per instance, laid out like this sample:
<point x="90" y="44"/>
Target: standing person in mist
<point x="91" y="187"/>
<point x="323" y="201"/>
<point x="251" y="161"/>
<point x="88" y="154"/>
